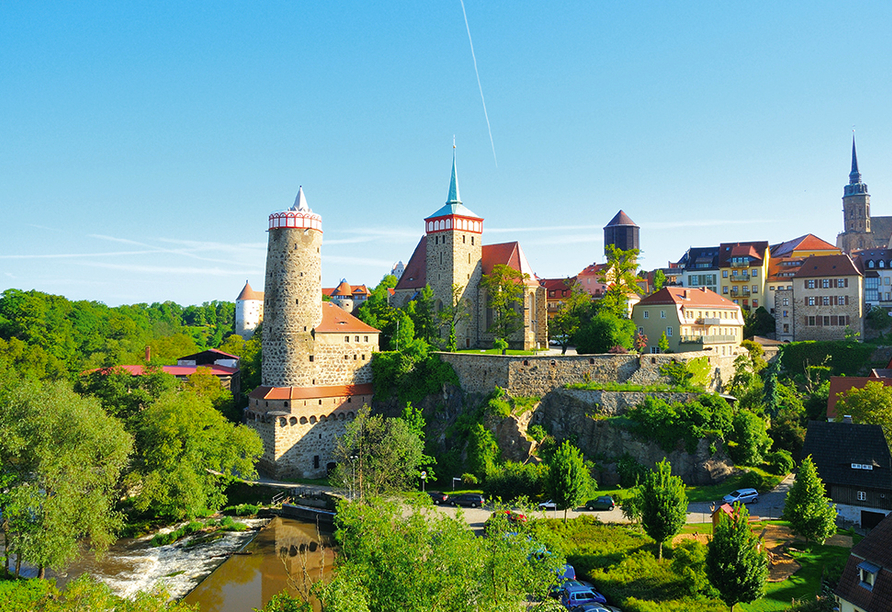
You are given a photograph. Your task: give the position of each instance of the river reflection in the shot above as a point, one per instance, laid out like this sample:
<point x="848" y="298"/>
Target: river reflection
<point x="284" y="548"/>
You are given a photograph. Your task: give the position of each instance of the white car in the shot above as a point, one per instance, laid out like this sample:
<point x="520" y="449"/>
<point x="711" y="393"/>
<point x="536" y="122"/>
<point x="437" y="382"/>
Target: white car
<point x="744" y="496"/>
<point x="548" y="505"/>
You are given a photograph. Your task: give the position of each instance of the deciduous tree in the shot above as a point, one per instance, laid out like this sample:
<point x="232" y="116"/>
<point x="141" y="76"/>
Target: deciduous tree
<point x="664" y="504"/>
<point x="736" y="565"/>
<point x="458" y="310"/>
<point x="569" y="480"/>
<point x="570" y="316"/>
<point x="871" y="405"/>
<point x="62" y="456"/>
<point x="377" y="455"/>
<point x="807" y="507"/>
<point x="504" y="296"/>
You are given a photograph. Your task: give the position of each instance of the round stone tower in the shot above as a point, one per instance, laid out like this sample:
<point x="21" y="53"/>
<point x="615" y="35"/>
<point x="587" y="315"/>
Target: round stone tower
<point x="292" y="296"/>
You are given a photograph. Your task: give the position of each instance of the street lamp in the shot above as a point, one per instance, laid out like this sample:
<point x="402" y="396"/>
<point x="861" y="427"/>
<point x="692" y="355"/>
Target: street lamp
<point x="423" y="479"/>
<point x="353" y="469"/>
<point x="453" y="482"/>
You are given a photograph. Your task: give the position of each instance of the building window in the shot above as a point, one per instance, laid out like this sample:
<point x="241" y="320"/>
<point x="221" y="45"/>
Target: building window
<point x="646" y="314"/>
<point x="725" y="290"/>
<point x="365" y="338"/>
<point x="311" y="358"/>
<point x="662" y="314"/>
<point x="810" y="284"/>
<point x="724" y="274"/>
<point x="316" y="462"/>
<point x="786" y="301"/>
<point x="346" y="338"/>
<point x="811" y="301"/>
<point x="755" y="273"/>
<point x="862" y="496"/>
<point x="868" y="573"/>
<point x="668" y="332"/>
<point x="825" y="283"/>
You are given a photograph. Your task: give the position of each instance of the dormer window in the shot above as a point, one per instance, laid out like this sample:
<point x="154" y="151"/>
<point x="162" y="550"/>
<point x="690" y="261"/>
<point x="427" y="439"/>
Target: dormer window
<point x="868" y="574"/>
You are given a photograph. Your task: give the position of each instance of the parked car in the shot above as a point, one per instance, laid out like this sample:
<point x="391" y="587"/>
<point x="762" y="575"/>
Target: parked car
<point x="579" y="595"/>
<point x="437" y="497"/>
<point x="595" y="608"/>
<point x="744" y="496"/>
<point x="513" y="517"/>
<point x="605" y="502"/>
<point x="473" y="500"/>
<point x="564" y="577"/>
<point x="547" y="505"/>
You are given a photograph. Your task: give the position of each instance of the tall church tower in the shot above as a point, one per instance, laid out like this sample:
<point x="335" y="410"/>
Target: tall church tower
<point x="855" y="200"/>
<point x="454" y="251"/>
<point x="857" y="232"/>
<point x="292" y="296"/>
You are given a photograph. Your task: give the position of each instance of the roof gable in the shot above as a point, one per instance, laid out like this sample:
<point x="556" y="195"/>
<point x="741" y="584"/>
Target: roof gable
<point x="415" y="274"/>
<point x="827" y="265"/>
<point x="691" y="298"/>
<point x="834" y="447"/>
<point x="336" y="319"/>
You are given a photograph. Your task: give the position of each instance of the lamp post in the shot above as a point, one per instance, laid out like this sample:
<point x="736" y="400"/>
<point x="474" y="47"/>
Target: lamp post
<point x="453" y="482"/>
<point x="353" y="470"/>
<point x="423" y="479"/>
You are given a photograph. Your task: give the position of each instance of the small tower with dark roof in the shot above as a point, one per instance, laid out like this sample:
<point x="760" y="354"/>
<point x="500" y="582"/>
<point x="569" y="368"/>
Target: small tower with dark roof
<point x="621" y="232"/>
<point x="856" y="200"/>
<point x="454" y="249"/>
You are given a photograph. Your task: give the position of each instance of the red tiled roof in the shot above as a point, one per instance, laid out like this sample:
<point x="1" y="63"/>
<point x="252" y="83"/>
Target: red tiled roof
<point x="296" y="393"/>
<point x="688" y="297"/>
<point x="508" y="254"/>
<point x="176" y="370"/>
<point x="249" y="294"/>
<point x="756" y="250"/>
<point x="809" y="242"/>
<point x="827" y="265"/>
<point x="843" y="384"/>
<point x="335" y="319"/>
<point x="557" y="284"/>
<point x="415" y="274"/>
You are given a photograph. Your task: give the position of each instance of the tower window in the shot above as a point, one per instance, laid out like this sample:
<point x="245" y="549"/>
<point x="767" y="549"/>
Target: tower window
<point x="296" y="302"/>
<point x="311" y="358"/>
<point x="464" y="239"/>
<point x="357" y="339"/>
<point x="472" y="240"/>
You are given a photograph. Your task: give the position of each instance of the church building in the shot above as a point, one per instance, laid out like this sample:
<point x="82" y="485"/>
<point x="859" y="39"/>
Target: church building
<point x="451" y="254"/>
<point x="316" y="371"/>
<point x="860" y="230"/>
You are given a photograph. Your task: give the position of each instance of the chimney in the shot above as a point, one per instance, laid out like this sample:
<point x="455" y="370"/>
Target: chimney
<point x="148" y="353"/>
<point x="847" y="418"/>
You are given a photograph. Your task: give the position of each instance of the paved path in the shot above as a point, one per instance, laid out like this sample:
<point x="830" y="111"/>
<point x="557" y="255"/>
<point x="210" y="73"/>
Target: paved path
<point x="770" y="506"/>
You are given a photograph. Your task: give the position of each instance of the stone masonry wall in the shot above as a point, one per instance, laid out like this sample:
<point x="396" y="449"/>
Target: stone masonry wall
<point x="292" y="308"/>
<point x="454" y="256"/>
<point x="340" y="361"/>
<point x="525" y="376"/>
<point x="299" y="437"/>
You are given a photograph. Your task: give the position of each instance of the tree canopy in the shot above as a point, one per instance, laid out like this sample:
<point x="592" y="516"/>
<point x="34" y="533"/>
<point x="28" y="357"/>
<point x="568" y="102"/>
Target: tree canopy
<point x="736" y="565"/>
<point x="62" y="457"/>
<point x="807" y="507"/>
<point x="504" y="296"/>
<point x="871" y="405"/>
<point x="664" y="504"/>
<point x="569" y="480"/>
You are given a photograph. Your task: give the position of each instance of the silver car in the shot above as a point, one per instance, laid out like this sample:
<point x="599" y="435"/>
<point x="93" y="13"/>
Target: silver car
<point x="744" y="496"/>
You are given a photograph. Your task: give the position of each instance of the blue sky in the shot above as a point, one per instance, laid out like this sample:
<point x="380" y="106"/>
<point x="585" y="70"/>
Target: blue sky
<point x="145" y="144"/>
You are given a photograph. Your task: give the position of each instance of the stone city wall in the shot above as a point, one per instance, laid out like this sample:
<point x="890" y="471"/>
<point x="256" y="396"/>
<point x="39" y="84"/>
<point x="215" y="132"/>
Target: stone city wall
<point x="339" y="362"/>
<point x="525" y="376"/>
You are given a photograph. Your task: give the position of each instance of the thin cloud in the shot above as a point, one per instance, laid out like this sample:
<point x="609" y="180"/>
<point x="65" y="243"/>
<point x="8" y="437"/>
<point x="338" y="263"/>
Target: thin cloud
<point x="358" y="261"/>
<point x="171" y="270"/>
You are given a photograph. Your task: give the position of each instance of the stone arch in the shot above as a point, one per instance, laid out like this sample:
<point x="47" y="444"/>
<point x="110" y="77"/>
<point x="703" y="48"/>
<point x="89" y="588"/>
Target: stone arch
<point x="292" y="421"/>
<point x="283" y="421"/>
<point x="303" y="420"/>
<point x="312" y="419"/>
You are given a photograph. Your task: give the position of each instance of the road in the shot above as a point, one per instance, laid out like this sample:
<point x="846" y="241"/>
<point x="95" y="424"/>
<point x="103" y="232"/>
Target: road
<point x="770" y="506"/>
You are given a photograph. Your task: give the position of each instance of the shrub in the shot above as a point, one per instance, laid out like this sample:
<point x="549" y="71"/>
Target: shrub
<point x="163" y="539"/>
<point x="631" y="473"/>
<point x="753" y="480"/>
<point x="537" y="432"/>
<point x="514" y="480"/>
<point x="468" y="478"/>
<point x="780" y="462"/>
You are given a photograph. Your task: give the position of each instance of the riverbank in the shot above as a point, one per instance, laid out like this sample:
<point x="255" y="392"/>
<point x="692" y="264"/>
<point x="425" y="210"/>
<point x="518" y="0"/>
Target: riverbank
<point x="132" y="565"/>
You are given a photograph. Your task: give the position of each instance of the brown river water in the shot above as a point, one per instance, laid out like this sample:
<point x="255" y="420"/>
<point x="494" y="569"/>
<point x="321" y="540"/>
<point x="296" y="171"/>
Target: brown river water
<point x="236" y="573"/>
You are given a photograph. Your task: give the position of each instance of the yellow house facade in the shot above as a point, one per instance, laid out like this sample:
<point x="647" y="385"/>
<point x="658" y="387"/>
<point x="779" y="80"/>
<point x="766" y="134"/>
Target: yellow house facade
<point x="743" y="270"/>
<point x="691" y="319"/>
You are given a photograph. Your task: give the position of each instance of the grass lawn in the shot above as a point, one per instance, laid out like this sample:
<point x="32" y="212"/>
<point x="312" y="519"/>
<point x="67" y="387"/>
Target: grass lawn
<point x="621" y="561"/>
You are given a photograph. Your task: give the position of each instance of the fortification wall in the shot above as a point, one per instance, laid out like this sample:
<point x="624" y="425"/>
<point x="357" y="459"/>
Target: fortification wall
<point x="525" y="376"/>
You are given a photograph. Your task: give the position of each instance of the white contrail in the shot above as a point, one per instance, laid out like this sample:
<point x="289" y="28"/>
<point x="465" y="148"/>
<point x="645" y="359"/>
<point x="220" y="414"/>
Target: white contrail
<point x="477" y="72"/>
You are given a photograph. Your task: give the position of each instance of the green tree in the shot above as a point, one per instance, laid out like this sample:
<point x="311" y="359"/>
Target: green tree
<point x="451" y="315"/>
<point x="377" y="455"/>
<point x="664" y="504"/>
<point x="396" y="560"/>
<point x="736" y="565"/>
<point x="483" y="451"/>
<point x="187" y="453"/>
<point x="751" y="438"/>
<point x="807" y="507"/>
<point x="871" y="405"/>
<point x="377" y="312"/>
<point x="603" y="332"/>
<point x="84" y="594"/>
<point x="663" y="343"/>
<point x="570" y="316"/>
<point x="421" y="311"/>
<point x="569" y="480"/>
<point x="504" y="296"/>
<point x="62" y="457"/>
<point x="619" y="274"/>
<point x="659" y="280"/>
<point x="758" y="322"/>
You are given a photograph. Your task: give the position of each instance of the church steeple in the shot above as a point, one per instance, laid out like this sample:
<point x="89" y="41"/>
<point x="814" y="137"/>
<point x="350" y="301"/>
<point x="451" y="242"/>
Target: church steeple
<point x="453" y="197"/>
<point x="854" y="175"/>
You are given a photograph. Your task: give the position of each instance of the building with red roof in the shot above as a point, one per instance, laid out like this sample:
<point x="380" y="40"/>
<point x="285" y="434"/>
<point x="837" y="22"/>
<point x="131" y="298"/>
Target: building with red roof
<point x="347" y="296"/>
<point x="248" y="311"/>
<point x="451" y="257"/>
<point x="316" y="370"/>
<point x="743" y="268"/>
<point x="691" y="319"/>
<point x="823" y="301"/>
